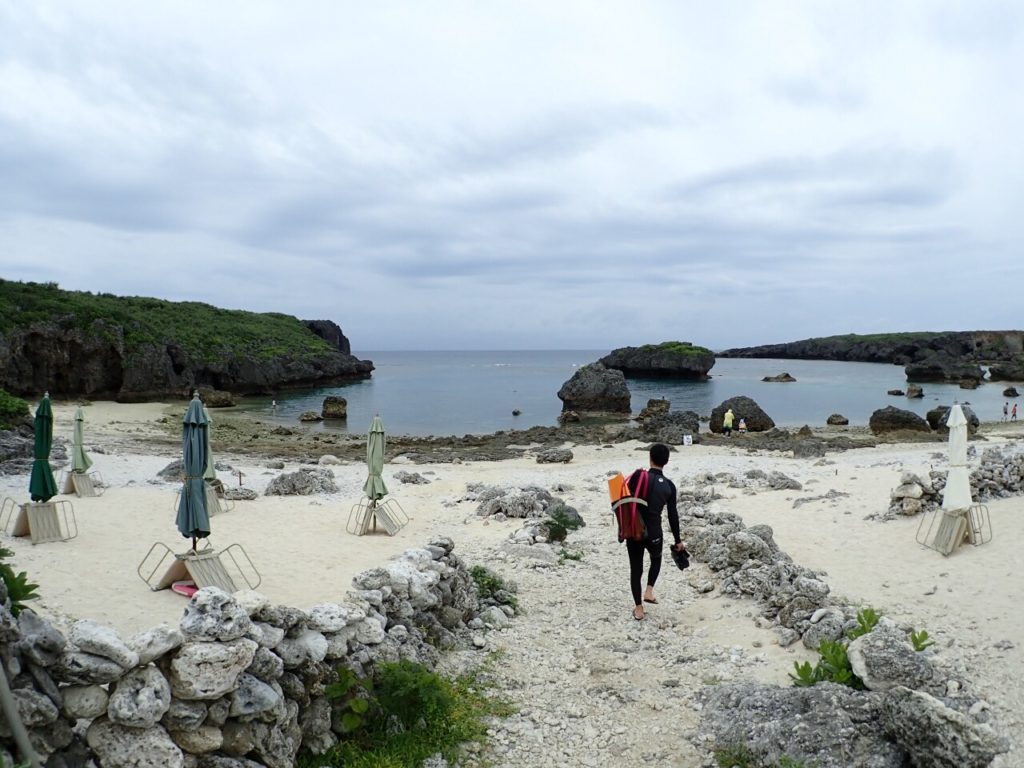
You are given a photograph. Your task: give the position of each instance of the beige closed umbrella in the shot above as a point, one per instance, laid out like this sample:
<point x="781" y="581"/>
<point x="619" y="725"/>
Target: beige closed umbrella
<point x="80" y="461"/>
<point x="957" y="494"/>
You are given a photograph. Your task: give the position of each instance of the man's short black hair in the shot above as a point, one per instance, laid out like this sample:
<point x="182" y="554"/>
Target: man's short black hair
<point x="659" y="454"/>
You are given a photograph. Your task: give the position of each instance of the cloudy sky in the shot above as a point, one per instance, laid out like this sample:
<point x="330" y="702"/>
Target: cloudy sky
<point x="524" y="175"/>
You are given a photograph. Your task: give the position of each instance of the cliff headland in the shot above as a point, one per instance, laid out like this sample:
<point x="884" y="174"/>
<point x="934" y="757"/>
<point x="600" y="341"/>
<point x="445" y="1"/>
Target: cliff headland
<point x="75" y="343"/>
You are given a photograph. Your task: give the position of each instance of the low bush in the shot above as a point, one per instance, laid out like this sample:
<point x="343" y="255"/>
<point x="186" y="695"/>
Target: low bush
<point x="19" y="588"/>
<point x="408" y="714"/>
<point x="12" y="410"/>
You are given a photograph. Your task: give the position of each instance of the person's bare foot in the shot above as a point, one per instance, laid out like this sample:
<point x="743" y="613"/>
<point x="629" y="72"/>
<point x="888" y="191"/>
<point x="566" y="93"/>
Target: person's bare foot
<point x="638" y="613"/>
<point x="649" y="597"/>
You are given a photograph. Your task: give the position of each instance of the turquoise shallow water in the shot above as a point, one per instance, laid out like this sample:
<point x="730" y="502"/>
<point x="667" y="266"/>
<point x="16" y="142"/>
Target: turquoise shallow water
<point x="456" y="393"/>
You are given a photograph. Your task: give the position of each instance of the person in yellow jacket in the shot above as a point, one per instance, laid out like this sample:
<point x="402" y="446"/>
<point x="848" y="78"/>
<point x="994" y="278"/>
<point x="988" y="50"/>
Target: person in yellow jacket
<point x="727" y="423"/>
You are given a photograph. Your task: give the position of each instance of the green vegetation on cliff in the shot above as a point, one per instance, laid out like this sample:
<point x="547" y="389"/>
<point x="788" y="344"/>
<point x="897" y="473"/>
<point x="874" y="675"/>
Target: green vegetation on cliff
<point x="683" y="348"/>
<point x="204" y="332"/>
<point x="12" y="410"/>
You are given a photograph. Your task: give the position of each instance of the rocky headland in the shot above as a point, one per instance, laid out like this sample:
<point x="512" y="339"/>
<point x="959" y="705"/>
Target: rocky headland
<point x="74" y="343"/>
<point x="951" y="356"/>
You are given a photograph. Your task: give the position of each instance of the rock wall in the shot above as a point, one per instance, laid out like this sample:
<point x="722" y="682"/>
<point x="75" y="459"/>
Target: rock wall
<point x="914" y="711"/>
<point x="240" y="682"/>
<point x="999" y="475"/>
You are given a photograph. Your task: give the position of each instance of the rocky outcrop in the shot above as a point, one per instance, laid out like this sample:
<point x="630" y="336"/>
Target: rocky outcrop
<point x="890" y="419"/>
<point x="898" y="348"/>
<point x="936" y="418"/>
<point x="658" y="424"/>
<point x="670" y="359"/>
<point x="334" y="407"/>
<point x="937" y="367"/>
<point x="742" y="408"/>
<point x="915" y="391"/>
<point x="1010" y="392"/>
<point x="1010" y="370"/>
<point x="837" y="420"/>
<point x="782" y="377"/>
<point x="595" y="388"/>
<point x="100" y="359"/>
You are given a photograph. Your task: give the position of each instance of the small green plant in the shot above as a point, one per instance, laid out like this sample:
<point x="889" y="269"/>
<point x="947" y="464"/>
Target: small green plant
<point x="735" y="756"/>
<point x="570" y="554"/>
<point x="410" y="692"/>
<point x="833" y="666"/>
<point x="867" y="620"/>
<point x="920" y="640"/>
<point x="19" y="588"/>
<point x="490" y="586"/>
<point x="806" y="675"/>
<point x="353" y="695"/>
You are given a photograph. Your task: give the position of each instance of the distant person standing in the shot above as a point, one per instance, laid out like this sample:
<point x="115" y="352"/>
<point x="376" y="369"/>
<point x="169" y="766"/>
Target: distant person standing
<point x="1006" y="410"/>
<point x="1013" y="413"/>
<point x="742" y="426"/>
<point x="727" y="423"/>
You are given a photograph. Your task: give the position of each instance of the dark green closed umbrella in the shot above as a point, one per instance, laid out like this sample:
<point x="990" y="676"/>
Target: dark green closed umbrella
<point x="193" y="518"/>
<point x="42" y="486"/>
<point x="374" y="488"/>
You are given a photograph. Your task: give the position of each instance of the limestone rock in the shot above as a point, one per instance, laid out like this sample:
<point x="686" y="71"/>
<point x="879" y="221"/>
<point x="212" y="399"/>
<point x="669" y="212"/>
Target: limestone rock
<point x="884" y="659"/>
<point x="41" y="643"/>
<point x="253" y="697"/>
<point x="305" y="482"/>
<point x="743" y="408"/>
<point x="213" y="614"/>
<point x="890" y="419"/>
<point x="140" y="698"/>
<point x="782" y="378"/>
<point x="595" y="388"/>
<point x="121" y="747"/>
<point x="199" y="741"/>
<point x="334" y="407"/>
<point x="837" y="419"/>
<point x="100" y="640"/>
<point x="153" y="643"/>
<point x="935" y="735"/>
<point x="207" y="671"/>
<point x="554" y="456"/>
<point x="84" y="702"/>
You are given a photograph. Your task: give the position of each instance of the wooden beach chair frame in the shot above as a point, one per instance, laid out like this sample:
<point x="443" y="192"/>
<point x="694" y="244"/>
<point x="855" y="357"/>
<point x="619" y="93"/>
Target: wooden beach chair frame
<point x="389" y="513"/>
<point x="214" y="503"/>
<point x="43" y="521"/>
<point x="207" y="567"/>
<point x="947" y="529"/>
<point x="83" y="484"/>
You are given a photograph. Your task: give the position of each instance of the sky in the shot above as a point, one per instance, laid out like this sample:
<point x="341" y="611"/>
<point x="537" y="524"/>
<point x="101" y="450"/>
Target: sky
<point x="524" y="175"/>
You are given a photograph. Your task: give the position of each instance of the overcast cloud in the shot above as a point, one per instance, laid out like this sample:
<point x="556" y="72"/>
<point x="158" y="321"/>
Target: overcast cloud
<point x="524" y="175"/>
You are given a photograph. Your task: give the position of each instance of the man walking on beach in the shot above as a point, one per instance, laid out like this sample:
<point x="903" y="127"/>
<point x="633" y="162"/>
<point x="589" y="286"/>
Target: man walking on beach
<point x="661" y="494"/>
<point x="1013" y="413"/>
<point x="1006" y="410"/>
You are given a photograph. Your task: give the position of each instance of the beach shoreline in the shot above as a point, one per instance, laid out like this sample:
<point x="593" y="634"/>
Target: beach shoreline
<point x="305" y="557"/>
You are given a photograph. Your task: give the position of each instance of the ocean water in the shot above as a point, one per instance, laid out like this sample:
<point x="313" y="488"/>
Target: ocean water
<point x="458" y="393"/>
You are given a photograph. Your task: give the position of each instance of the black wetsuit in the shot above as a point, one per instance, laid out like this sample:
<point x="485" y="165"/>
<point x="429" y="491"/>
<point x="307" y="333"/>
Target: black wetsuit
<point x="661" y="493"/>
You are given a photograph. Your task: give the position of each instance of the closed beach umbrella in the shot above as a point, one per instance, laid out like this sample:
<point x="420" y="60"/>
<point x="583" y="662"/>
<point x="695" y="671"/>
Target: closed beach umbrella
<point x="209" y="473"/>
<point x="42" y="486"/>
<point x="193" y="518"/>
<point x="375" y="444"/>
<point x="80" y="461"/>
<point x="957" y="494"/>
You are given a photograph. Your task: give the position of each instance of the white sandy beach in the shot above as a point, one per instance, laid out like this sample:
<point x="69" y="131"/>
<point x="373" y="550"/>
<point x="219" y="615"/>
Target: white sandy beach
<point x="966" y="601"/>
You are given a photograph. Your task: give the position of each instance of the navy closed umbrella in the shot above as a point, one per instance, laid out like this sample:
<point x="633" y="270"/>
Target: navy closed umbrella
<point x="193" y="517"/>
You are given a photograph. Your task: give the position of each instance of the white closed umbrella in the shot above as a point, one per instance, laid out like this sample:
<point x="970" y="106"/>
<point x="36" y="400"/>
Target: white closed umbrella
<point x="957" y="494"/>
